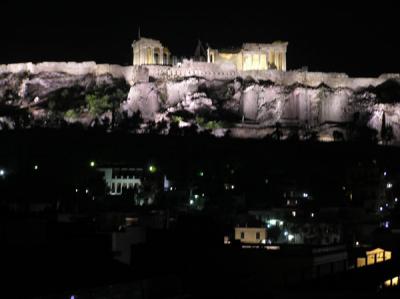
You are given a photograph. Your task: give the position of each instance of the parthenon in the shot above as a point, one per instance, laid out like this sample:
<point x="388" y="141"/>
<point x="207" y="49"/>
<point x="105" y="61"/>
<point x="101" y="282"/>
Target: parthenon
<point x="252" y="56"/>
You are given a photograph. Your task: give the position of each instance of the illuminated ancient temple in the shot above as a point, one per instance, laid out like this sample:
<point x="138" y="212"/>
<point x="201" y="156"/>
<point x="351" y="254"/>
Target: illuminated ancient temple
<point x="150" y="51"/>
<point x="252" y="56"/>
<point x="249" y="57"/>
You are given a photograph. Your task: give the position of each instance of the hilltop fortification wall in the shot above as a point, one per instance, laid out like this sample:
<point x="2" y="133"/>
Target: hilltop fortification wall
<point x="197" y="69"/>
<point x="71" y="68"/>
<point x="226" y="72"/>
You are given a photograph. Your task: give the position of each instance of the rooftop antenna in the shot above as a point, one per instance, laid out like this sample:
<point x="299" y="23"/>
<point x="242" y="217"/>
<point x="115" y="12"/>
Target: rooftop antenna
<point x="139" y="32"/>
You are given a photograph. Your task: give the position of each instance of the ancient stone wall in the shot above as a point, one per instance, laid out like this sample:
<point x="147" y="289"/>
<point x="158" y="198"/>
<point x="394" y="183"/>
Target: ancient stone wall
<point x="72" y="68"/>
<point x="224" y="72"/>
<point x="208" y="71"/>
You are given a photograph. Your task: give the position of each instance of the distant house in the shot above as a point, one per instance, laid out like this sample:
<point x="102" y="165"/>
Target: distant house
<point x="374" y="256"/>
<point x="251" y="235"/>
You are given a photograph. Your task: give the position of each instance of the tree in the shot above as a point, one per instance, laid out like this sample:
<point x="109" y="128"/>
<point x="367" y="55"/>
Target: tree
<point x="386" y="131"/>
<point x="277" y="134"/>
<point x="383" y="126"/>
<point x="338" y="136"/>
<point x="98" y="104"/>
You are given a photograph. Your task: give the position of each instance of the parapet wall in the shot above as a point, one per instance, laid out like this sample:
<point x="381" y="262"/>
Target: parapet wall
<point x="71" y="68"/>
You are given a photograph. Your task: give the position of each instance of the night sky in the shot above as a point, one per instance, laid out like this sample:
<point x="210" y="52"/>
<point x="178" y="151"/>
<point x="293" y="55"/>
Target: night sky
<point x="360" y="40"/>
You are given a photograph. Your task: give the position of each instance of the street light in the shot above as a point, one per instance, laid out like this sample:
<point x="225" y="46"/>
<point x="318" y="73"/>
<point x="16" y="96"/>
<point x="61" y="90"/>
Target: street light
<point x="92" y="164"/>
<point x="152" y="169"/>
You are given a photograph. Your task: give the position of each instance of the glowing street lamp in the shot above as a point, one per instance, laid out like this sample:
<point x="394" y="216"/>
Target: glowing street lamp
<point x="36" y="167"/>
<point x="2" y="172"/>
<point x="152" y="169"/>
<point x="92" y="164"/>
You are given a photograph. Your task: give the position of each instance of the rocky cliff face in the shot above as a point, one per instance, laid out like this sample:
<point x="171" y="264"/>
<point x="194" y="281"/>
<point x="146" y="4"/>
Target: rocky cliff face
<point x="240" y="107"/>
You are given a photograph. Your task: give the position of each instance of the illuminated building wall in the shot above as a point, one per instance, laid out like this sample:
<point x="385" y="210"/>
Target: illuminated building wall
<point x="150" y="51"/>
<point x="372" y="257"/>
<point x="392" y="282"/>
<point x="252" y="56"/>
<point x="253" y="235"/>
<point x="119" y="179"/>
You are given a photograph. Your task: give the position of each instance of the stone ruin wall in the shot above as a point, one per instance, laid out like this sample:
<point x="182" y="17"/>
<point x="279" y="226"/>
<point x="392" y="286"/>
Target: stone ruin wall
<point x="221" y="72"/>
<point x="71" y="68"/>
<point x="208" y="71"/>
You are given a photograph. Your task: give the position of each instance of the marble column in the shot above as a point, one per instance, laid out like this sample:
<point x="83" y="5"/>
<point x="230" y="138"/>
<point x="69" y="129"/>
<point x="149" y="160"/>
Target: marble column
<point x="161" y="58"/>
<point x="284" y="61"/>
<point x="277" y="60"/>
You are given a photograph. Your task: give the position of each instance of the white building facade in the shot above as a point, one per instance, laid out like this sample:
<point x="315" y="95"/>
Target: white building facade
<point x="120" y="179"/>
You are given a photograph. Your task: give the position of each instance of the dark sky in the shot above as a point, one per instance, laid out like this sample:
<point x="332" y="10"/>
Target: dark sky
<point x="338" y="36"/>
